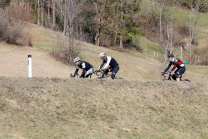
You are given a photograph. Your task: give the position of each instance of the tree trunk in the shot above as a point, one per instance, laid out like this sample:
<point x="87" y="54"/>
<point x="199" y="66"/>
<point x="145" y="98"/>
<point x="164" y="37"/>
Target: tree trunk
<point x="42" y="11"/>
<point x="38" y="12"/>
<point x="48" y="10"/>
<point x="54" y="14"/>
<point x="160" y="23"/>
<point x="121" y="37"/>
<point x="64" y="31"/>
<point x="116" y="26"/>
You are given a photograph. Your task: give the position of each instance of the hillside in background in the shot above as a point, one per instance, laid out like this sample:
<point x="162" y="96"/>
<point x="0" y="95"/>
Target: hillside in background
<point x="180" y="29"/>
<point x="53" y="105"/>
<point x="133" y="65"/>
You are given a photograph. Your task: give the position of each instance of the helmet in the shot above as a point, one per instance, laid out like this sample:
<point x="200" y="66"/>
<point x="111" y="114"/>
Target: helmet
<point x="170" y="55"/>
<point x="102" y="55"/>
<point x="76" y="59"/>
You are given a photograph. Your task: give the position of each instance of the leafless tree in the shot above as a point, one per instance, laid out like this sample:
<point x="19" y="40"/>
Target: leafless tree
<point x="70" y="10"/>
<point x="54" y="12"/>
<point x="193" y="18"/>
<point x="38" y="12"/>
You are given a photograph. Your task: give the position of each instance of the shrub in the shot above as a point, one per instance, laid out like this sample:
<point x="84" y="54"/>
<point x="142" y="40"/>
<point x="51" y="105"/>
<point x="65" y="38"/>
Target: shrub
<point x="12" y="25"/>
<point x="65" y="50"/>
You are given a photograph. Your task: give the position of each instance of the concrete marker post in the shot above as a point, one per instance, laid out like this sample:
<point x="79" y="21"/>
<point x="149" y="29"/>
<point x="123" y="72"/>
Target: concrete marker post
<point x="30" y="66"/>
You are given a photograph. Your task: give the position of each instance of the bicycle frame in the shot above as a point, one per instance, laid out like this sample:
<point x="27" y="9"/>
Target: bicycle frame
<point x="103" y="74"/>
<point x="170" y="75"/>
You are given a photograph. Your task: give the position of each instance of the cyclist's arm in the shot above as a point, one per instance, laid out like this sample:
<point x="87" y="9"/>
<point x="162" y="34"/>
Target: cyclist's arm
<point x="168" y="67"/>
<point x="174" y="66"/>
<point x="101" y="65"/>
<point x="108" y="62"/>
<point x="76" y="71"/>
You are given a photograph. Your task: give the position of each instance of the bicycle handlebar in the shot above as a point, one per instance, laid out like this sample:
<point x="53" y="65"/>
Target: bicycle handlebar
<point x="165" y="73"/>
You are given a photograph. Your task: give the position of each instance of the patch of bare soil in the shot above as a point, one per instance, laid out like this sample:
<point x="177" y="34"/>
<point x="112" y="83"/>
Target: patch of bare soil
<point x="14" y="63"/>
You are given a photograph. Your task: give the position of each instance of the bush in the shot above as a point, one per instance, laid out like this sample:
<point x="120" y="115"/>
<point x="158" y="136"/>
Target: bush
<point x="64" y="51"/>
<point x="11" y="26"/>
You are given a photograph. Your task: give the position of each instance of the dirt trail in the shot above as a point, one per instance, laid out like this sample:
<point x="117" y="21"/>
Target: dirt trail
<point x="14" y="63"/>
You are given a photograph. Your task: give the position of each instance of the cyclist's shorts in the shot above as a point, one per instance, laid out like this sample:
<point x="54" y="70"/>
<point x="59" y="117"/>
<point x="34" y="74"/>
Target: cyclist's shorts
<point x="89" y="72"/>
<point x="180" y="71"/>
<point x="112" y="69"/>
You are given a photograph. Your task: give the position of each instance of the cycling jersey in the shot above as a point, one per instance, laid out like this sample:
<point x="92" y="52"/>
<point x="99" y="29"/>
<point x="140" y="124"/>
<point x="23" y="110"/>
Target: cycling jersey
<point x="109" y="61"/>
<point x="177" y="63"/>
<point x="87" y="68"/>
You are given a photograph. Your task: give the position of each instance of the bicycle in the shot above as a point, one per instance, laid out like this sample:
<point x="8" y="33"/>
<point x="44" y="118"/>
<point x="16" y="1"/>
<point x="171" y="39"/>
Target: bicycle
<point x="103" y="75"/>
<point x="170" y="77"/>
<point x="78" y="76"/>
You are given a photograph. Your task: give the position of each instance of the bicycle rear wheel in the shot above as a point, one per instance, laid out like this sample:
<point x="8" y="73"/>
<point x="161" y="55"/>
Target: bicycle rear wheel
<point x="186" y="80"/>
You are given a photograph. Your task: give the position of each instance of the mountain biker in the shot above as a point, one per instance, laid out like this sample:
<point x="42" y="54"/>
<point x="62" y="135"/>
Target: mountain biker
<point x="87" y="68"/>
<point x="114" y="66"/>
<point x="177" y="63"/>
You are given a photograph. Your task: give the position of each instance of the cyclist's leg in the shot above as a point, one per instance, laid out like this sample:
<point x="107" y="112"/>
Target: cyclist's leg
<point x="114" y="71"/>
<point x="180" y="71"/>
<point x="89" y="72"/>
<point x="106" y="71"/>
<point x="174" y="76"/>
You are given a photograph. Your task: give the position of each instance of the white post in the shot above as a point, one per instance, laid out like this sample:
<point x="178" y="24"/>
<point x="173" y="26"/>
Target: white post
<point x="29" y="65"/>
<point x="157" y="54"/>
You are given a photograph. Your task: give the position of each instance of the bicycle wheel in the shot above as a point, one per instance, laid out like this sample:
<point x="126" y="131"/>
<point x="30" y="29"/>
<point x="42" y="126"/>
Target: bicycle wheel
<point x="166" y="80"/>
<point x="186" y="80"/>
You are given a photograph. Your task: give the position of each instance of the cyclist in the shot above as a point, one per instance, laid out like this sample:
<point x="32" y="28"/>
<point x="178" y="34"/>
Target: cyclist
<point x="114" y="66"/>
<point x="87" y="68"/>
<point x="177" y="63"/>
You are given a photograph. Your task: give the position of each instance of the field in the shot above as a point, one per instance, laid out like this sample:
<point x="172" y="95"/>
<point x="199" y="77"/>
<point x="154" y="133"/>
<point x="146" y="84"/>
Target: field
<point x="53" y="105"/>
<point x="74" y="108"/>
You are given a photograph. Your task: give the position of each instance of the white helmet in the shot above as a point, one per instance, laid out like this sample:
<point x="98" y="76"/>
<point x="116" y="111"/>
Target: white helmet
<point x="76" y="59"/>
<point x="102" y="55"/>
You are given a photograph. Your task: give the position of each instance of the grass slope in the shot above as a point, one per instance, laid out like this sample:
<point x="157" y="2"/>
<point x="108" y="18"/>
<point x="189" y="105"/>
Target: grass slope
<point x="140" y="106"/>
<point x="133" y="65"/>
<point x="180" y="18"/>
<point x="66" y="108"/>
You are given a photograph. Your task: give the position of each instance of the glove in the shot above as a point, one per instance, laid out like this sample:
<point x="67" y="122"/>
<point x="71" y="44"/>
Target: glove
<point x="96" y="71"/>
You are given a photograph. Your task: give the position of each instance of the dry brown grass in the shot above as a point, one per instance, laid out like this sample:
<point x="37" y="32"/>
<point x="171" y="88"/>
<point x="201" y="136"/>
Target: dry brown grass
<point x="52" y="105"/>
<point x="90" y="108"/>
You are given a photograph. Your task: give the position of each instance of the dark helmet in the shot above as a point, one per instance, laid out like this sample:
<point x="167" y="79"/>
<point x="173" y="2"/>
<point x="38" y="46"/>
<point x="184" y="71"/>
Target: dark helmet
<point x="170" y="55"/>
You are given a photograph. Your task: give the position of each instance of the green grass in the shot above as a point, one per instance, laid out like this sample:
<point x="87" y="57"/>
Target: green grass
<point x="198" y="69"/>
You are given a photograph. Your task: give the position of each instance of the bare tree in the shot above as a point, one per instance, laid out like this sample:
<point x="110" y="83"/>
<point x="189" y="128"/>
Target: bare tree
<point x="70" y="10"/>
<point x="54" y="12"/>
<point x="100" y="7"/>
<point x="193" y="17"/>
<point x="38" y="12"/>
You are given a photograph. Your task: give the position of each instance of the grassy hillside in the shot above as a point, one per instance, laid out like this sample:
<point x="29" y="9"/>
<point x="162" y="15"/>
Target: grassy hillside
<point x="180" y="19"/>
<point x="133" y="65"/>
<point x="65" y="108"/>
<point x="139" y="106"/>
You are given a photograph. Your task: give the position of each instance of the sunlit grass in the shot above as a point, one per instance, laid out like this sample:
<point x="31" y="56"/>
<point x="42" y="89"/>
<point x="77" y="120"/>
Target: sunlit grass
<point x="74" y="108"/>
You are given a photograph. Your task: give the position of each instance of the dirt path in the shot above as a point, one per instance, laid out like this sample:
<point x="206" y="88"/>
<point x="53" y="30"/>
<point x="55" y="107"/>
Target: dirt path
<point x="14" y="63"/>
